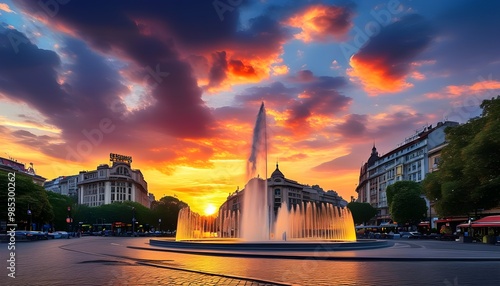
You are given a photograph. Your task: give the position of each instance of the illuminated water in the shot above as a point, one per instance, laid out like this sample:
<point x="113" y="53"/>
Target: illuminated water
<point x="254" y="222"/>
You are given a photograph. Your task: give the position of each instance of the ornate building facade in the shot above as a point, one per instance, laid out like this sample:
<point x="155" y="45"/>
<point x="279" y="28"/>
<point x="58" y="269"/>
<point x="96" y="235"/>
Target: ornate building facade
<point x="281" y="189"/>
<point x="412" y="160"/>
<point x="115" y="183"/>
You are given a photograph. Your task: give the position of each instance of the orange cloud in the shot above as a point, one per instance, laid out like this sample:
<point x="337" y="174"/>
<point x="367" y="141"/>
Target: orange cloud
<point x="6" y="8"/>
<point x="376" y="77"/>
<point x="456" y="91"/>
<point x="242" y="68"/>
<point x="280" y="69"/>
<point x="320" y="22"/>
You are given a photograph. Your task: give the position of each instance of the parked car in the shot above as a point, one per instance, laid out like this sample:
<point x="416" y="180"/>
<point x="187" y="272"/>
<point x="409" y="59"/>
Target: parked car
<point x="22" y="235"/>
<point x="411" y="235"/>
<point x="37" y="235"/>
<point x="54" y="235"/>
<point x="431" y="236"/>
<point x="58" y="234"/>
<point x="448" y="236"/>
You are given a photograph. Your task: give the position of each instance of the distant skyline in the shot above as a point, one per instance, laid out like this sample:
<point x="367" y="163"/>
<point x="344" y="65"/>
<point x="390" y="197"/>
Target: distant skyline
<point x="177" y="85"/>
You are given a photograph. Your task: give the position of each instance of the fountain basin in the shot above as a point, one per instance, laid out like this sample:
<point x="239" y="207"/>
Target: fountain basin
<point x="237" y="245"/>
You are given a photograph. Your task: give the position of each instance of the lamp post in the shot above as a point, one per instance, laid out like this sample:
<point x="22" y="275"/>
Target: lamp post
<point x="68" y="220"/>
<point x="430" y="216"/>
<point x="29" y="215"/>
<point x="133" y="221"/>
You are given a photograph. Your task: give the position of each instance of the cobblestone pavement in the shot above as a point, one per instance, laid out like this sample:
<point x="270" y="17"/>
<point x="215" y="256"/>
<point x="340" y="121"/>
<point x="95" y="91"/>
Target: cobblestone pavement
<point x="111" y="261"/>
<point x="61" y="262"/>
<point x="152" y="276"/>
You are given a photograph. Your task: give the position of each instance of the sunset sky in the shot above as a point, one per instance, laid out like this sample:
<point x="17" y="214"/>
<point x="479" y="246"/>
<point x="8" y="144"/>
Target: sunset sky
<point x="177" y="85"/>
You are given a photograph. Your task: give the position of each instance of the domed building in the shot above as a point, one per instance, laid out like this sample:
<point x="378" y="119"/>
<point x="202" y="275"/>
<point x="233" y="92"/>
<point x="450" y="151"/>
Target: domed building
<point x="281" y="189"/>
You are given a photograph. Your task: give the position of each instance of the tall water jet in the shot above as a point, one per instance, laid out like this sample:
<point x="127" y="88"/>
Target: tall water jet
<point x="255" y="220"/>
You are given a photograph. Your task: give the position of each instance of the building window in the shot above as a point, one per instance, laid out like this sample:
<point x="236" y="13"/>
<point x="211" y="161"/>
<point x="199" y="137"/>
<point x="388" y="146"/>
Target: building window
<point x="277" y="192"/>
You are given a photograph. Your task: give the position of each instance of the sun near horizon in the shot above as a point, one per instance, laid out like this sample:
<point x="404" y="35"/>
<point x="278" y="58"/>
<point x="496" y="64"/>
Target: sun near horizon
<point x="210" y="209"/>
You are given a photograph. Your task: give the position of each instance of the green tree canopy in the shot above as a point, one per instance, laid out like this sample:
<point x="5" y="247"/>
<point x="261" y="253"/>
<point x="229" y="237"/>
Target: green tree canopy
<point x="167" y="209"/>
<point x="60" y="204"/>
<point x="28" y="195"/>
<point x="115" y="212"/>
<point x="361" y="212"/>
<point x="468" y="178"/>
<point x="405" y="202"/>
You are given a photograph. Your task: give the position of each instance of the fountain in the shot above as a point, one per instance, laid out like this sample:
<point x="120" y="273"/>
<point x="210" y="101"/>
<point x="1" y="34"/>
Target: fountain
<point x="257" y="225"/>
<point x="255" y="220"/>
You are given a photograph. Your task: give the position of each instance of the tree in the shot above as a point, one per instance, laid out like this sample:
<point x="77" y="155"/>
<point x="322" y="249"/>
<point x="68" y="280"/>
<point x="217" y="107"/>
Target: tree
<point x="405" y="202"/>
<point x="28" y="196"/>
<point x="167" y="209"/>
<point x="468" y="178"/>
<point x="408" y="207"/>
<point x="60" y="204"/>
<point x="431" y="186"/>
<point x="361" y="212"/>
<point x="115" y="212"/>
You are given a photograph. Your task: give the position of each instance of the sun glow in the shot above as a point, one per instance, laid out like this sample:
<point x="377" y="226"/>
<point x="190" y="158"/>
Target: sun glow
<point x="210" y="209"/>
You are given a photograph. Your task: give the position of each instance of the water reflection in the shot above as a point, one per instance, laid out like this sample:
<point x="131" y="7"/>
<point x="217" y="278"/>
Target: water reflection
<point x="82" y="262"/>
<point x="321" y="272"/>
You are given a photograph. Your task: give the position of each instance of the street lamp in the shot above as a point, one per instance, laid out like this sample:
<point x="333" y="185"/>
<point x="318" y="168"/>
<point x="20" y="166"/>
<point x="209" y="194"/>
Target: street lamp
<point x="69" y="219"/>
<point x="159" y="224"/>
<point x="133" y="221"/>
<point x="29" y="215"/>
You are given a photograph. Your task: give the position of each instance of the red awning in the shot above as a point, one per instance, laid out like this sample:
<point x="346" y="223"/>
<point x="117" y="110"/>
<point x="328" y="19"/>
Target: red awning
<point x="441" y="220"/>
<point x="489" y="221"/>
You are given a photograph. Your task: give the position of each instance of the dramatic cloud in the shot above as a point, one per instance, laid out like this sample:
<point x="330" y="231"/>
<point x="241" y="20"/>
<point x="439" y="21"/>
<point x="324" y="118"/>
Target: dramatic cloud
<point x="321" y="22"/>
<point x="275" y="95"/>
<point x="29" y="74"/>
<point x="319" y="100"/>
<point x="218" y="70"/>
<point x="5" y="7"/>
<point x="178" y="109"/>
<point x="353" y="126"/>
<point x="487" y="88"/>
<point x="317" y="103"/>
<point x="178" y="84"/>
<point x="383" y="65"/>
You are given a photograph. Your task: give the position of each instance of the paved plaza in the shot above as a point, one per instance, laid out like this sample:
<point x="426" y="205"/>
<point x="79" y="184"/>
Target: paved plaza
<point x="131" y="261"/>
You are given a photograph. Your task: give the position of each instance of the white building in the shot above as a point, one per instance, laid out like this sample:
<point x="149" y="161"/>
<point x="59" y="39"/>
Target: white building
<point x="63" y="185"/>
<point x="410" y="161"/>
<point x="109" y="184"/>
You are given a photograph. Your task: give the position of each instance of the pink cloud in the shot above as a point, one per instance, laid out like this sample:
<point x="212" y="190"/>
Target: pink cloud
<point x="321" y="22"/>
<point x="6" y="8"/>
<point x="456" y="91"/>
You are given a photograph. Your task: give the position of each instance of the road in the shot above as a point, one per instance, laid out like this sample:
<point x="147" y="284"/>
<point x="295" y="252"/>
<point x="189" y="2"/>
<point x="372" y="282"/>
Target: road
<point x="110" y="261"/>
